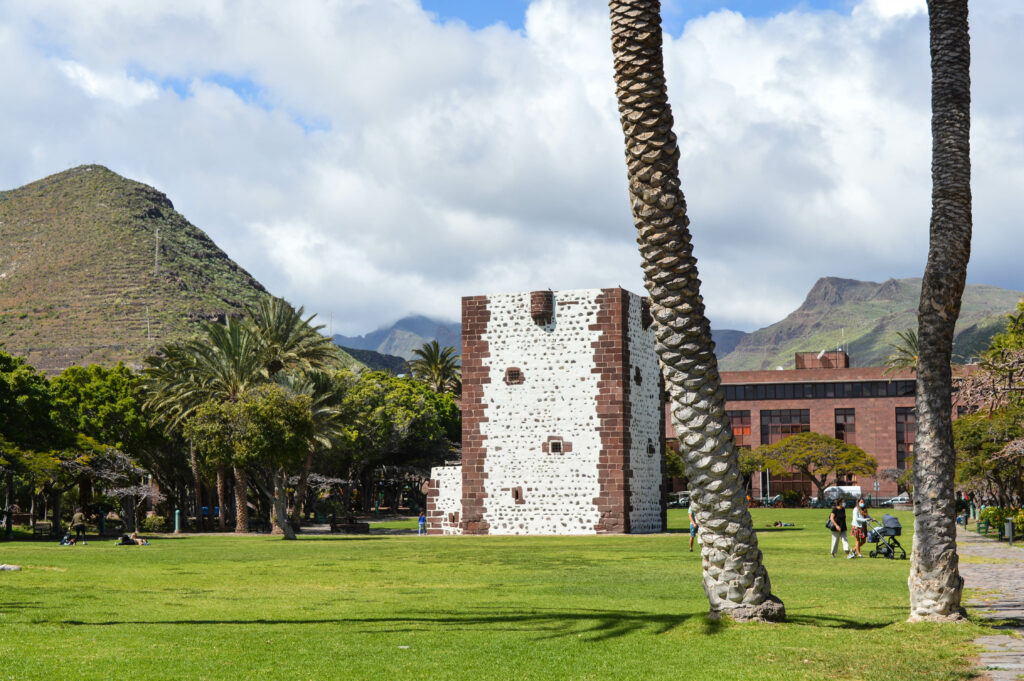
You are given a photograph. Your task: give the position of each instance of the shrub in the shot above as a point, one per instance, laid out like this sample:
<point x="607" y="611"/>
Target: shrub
<point x="790" y="498"/>
<point x="154" y="523"/>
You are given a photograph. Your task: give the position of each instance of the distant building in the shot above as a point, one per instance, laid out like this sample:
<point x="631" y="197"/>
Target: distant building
<point x="562" y="419"/>
<point x="824" y="395"/>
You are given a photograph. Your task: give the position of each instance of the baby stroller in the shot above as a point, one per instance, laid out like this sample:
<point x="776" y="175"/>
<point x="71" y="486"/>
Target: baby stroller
<point x="884" y="538"/>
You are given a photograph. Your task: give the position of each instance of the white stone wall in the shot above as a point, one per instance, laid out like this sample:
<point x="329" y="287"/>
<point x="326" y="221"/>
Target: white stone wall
<point x="645" y="424"/>
<point x="449" y="497"/>
<point x="557" y="398"/>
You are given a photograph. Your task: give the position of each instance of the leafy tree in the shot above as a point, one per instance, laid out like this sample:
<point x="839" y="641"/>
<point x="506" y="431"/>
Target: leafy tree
<point x="904" y="353"/>
<point x="674" y="464"/>
<point x="990" y="455"/>
<point x="267" y="430"/>
<point x="396" y="422"/>
<point x="28" y="431"/>
<point x="437" y="367"/>
<point x="817" y="456"/>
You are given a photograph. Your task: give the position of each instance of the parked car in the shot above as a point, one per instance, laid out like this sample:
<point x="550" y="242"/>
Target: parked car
<point x="899" y="499"/>
<point x="772" y="501"/>
<point x="679" y="500"/>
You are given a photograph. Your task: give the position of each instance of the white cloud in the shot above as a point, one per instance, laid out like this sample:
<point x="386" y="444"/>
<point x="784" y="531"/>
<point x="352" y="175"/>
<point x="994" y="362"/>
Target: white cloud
<point x="360" y="159"/>
<point x="117" y="88"/>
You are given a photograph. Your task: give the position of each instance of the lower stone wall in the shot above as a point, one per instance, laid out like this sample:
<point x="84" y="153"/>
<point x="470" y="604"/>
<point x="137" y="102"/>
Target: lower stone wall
<point x="444" y="500"/>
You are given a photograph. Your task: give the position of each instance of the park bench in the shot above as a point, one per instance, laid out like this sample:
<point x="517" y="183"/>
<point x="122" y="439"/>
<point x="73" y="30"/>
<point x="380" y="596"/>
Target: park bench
<point x="983" y="527"/>
<point x="349" y="525"/>
<point x="42" y="529"/>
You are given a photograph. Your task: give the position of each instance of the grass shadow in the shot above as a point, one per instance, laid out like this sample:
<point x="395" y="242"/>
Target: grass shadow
<point x="590" y="625"/>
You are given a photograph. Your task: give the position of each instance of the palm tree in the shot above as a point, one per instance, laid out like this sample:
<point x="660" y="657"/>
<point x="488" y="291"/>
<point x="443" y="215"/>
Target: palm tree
<point x="904" y="353"/>
<point x="229" y="360"/>
<point x="289" y="342"/>
<point x="735" y="579"/>
<point x="219" y="367"/>
<point x="935" y="582"/>
<point x="436" y="367"/>
<point x="327" y="394"/>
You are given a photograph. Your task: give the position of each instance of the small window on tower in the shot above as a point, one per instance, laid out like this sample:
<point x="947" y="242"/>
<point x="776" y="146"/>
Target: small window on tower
<point x="555" y="446"/>
<point x="637" y="378"/>
<point x="514" y="376"/>
<point x="650" y="447"/>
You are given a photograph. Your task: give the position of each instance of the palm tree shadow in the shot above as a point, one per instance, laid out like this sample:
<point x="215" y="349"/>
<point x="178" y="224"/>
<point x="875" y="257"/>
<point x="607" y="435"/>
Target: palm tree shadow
<point x="589" y="625"/>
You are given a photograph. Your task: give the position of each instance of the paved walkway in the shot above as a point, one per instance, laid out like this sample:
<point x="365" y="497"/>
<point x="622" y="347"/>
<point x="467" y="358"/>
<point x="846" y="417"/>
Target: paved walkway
<point x="999" y="575"/>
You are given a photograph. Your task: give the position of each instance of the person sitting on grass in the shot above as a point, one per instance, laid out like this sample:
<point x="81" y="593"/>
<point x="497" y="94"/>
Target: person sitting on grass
<point x="139" y="541"/>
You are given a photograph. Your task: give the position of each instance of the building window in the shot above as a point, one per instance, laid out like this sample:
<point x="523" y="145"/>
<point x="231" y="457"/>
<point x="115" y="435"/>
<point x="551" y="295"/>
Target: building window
<point x="846" y="426"/>
<point x="517" y="495"/>
<point x="542" y="306"/>
<point x="740" y="421"/>
<point x="514" y="376"/>
<point x="906" y="429"/>
<point x="651" y="449"/>
<point x="555" y="444"/>
<point x="820" y="391"/>
<point x="637" y="377"/>
<point x="778" y="424"/>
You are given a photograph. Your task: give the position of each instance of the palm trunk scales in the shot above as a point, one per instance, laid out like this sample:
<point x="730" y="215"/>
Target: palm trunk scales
<point x="935" y="582"/>
<point x="735" y="579"/>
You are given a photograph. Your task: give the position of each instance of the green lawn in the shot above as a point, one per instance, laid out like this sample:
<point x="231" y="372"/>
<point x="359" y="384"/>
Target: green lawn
<point x="408" y="607"/>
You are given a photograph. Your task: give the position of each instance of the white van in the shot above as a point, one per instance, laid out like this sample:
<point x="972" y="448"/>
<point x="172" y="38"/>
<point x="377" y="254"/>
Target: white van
<point x="846" y="492"/>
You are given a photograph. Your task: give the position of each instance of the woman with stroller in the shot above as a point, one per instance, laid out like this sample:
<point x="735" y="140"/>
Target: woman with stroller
<point x="860" y="526"/>
<point x="837" y="523"/>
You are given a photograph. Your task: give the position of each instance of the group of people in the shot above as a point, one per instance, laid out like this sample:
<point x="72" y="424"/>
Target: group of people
<point x="837" y="524"/>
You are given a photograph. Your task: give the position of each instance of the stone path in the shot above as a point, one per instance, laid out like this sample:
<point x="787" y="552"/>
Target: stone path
<point x="1000" y="578"/>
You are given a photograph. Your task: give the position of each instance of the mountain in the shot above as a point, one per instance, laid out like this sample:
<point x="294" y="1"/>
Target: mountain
<point x="376" y="361"/>
<point x="97" y="268"/>
<point x="864" y="317"/>
<point x="726" y="340"/>
<point x="406" y="335"/>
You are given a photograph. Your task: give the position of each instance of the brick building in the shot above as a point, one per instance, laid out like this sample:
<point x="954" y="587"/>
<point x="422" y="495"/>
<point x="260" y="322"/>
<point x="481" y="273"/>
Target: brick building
<point x="824" y="395"/>
<point x="562" y="419"/>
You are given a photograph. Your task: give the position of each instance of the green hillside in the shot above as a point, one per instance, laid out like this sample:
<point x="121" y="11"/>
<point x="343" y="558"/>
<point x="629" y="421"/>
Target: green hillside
<point x="865" y="317"/>
<point x="96" y="268"/>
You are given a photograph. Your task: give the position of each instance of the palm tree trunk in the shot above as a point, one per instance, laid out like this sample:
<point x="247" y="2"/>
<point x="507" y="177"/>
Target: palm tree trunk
<point x="199" y="485"/>
<point x="735" y="580"/>
<point x="935" y="582"/>
<point x="222" y="496"/>
<point x="241" y="501"/>
<point x="281" y="505"/>
<point x="300" y="490"/>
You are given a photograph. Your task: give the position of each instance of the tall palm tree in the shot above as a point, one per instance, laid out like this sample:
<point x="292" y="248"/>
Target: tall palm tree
<point x="220" y="367"/>
<point x="935" y="582"/>
<point x="735" y="579"/>
<point x="904" y="352"/>
<point x="437" y="367"/>
<point x="289" y="342"/>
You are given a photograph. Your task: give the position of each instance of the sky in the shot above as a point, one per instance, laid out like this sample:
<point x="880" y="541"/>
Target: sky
<point x="369" y="159"/>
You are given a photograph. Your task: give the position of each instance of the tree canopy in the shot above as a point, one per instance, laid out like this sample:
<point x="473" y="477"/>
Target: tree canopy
<point x="817" y="456"/>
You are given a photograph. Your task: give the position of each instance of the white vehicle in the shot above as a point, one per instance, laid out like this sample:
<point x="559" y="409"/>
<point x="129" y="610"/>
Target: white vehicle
<point x="679" y="500"/>
<point x="843" y="491"/>
<point x="900" y="499"/>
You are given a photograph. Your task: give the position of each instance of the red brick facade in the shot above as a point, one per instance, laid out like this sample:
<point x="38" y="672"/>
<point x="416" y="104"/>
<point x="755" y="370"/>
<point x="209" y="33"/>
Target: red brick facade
<point x="875" y="417"/>
<point x="475" y="374"/>
<point x="611" y="362"/>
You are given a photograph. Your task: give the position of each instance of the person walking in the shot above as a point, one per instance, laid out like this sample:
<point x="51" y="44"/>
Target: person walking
<point x="693" y="527"/>
<point x="837" y="524"/>
<point x="78" y="525"/>
<point x="860" y="526"/>
<point x="422" y="523"/>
